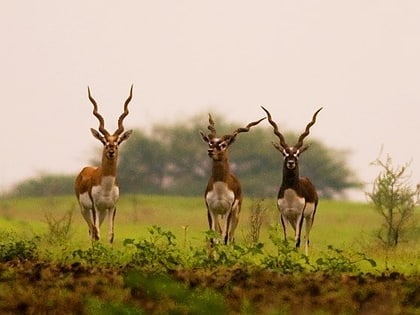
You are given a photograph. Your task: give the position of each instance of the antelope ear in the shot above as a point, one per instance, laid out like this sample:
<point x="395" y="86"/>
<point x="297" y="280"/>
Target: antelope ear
<point x="229" y="139"/>
<point x="98" y="136"/>
<point x="278" y="147"/>
<point x="204" y="137"/>
<point x="125" y="136"/>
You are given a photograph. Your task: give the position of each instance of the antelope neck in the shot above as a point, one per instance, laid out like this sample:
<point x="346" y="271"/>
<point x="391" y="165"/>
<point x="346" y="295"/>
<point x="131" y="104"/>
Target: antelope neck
<point x="290" y="177"/>
<point x="109" y="167"/>
<point x="220" y="170"/>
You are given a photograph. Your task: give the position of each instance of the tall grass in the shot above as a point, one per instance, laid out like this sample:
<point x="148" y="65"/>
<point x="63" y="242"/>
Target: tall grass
<point x="338" y="225"/>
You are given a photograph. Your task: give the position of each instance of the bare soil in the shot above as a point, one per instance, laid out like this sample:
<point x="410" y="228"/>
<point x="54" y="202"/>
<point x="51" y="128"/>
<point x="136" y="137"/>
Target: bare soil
<point x="34" y="287"/>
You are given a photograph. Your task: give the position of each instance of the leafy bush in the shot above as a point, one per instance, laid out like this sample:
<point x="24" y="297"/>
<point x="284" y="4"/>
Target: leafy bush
<point x="99" y="255"/>
<point x="156" y="254"/>
<point x="13" y="248"/>
<point x="221" y="255"/>
<point x="286" y="259"/>
<point x="337" y="260"/>
<point x="160" y="254"/>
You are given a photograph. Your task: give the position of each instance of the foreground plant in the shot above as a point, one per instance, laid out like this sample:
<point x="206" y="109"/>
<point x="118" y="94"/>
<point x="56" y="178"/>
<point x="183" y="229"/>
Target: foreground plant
<point x="255" y="221"/>
<point x="100" y="255"/>
<point x="156" y="254"/>
<point x="219" y="254"/>
<point x="394" y="199"/>
<point x="285" y="259"/>
<point x="59" y="228"/>
<point x="336" y="260"/>
<point x="12" y="247"/>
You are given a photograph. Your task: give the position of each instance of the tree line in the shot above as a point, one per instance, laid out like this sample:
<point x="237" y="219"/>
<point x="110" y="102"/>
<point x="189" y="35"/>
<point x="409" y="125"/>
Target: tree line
<point x="172" y="159"/>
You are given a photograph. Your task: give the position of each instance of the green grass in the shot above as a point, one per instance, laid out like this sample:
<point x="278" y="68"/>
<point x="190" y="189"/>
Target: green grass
<point x="341" y="224"/>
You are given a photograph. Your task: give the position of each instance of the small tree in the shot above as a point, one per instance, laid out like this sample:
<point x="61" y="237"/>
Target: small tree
<point x="256" y="219"/>
<point x="394" y="200"/>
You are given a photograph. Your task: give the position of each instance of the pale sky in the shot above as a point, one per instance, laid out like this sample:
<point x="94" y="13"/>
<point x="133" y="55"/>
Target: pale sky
<point x="360" y="60"/>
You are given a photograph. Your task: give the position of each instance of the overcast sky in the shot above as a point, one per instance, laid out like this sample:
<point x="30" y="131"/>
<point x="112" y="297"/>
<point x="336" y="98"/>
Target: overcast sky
<point x="360" y="60"/>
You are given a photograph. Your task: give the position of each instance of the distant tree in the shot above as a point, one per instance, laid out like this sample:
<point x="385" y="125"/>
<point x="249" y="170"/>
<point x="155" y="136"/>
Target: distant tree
<point x="329" y="170"/>
<point x="143" y="164"/>
<point x="172" y="159"/>
<point x="394" y="199"/>
<point x="44" y="185"/>
<point x="187" y="158"/>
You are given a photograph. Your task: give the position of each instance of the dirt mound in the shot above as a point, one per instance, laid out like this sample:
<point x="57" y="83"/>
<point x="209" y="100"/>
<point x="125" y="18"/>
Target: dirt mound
<point x="37" y="287"/>
<point x="268" y="292"/>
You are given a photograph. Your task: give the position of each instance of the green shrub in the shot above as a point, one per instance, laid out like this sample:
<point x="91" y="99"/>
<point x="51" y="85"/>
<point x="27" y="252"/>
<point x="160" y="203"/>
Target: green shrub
<point x="157" y="254"/>
<point x="99" y="255"/>
<point x="337" y="260"/>
<point x="286" y="259"/>
<point x="394" y="200"/>
<point x="13" y="248"/>
<point x="219" y="254"/>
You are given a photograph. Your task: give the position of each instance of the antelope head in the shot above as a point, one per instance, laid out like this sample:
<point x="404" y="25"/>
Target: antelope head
<point x="291" y="153"/>
<point x="218" y="145"/>
<point x="111" y="142"/>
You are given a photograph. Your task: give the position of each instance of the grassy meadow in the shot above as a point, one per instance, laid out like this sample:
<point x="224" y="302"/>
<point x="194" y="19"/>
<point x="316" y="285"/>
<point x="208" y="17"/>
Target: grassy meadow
<point x="345" y="225"/>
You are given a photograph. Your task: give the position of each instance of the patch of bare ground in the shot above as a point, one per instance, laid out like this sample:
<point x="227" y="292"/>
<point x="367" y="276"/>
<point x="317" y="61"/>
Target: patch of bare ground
<point x="40" y="287"/>
<point x="269" y="292"/>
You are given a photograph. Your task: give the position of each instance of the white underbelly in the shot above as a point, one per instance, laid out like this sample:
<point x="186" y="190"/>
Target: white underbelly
<point x="220" y="199"/>
<point x="291" y="205"/>
<point x="105" y="197"/>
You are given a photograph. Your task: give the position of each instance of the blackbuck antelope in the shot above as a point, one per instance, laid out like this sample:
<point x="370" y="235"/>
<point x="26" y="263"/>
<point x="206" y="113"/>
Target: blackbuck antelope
<point x="223" y="195"/>
<point x="97" y="187"/>
<point x="297" y="199"/>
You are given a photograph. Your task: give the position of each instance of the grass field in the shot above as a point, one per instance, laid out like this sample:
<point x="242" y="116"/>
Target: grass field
<point x="44" y="270"/>
<point x="342" y="224"/>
